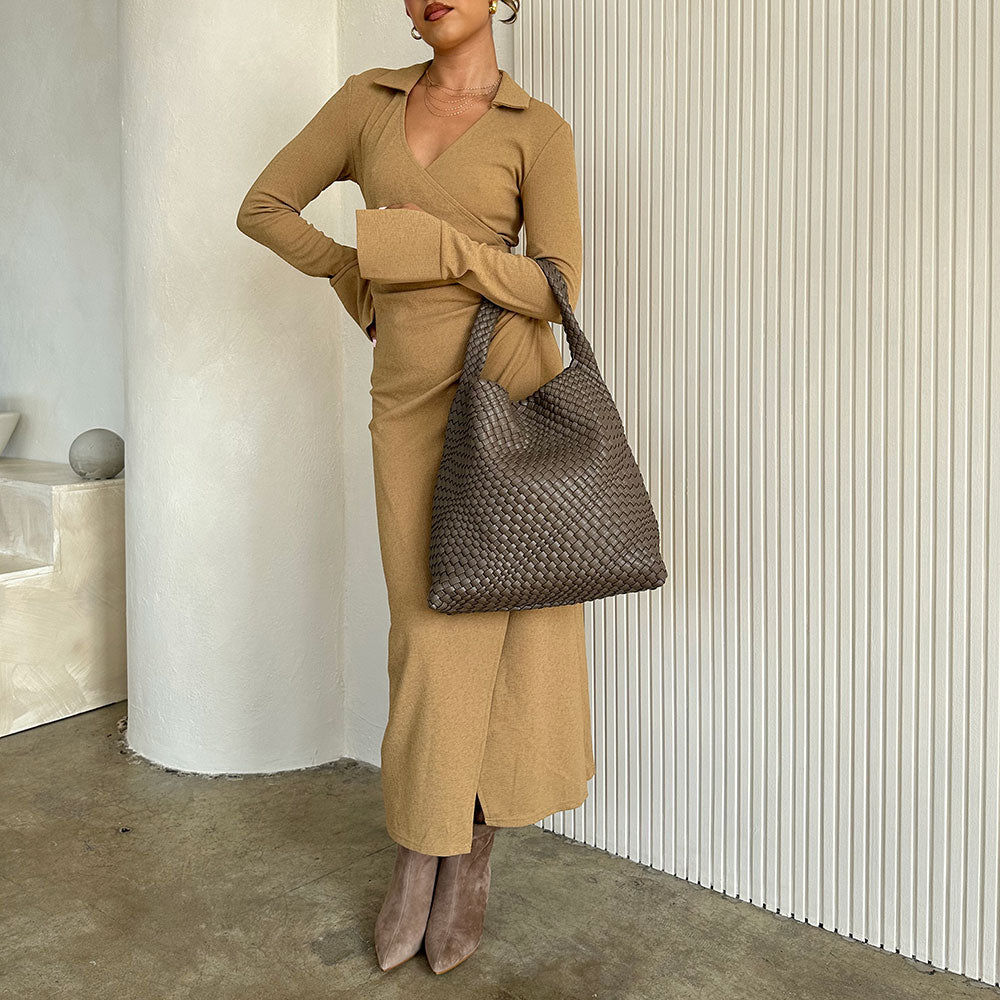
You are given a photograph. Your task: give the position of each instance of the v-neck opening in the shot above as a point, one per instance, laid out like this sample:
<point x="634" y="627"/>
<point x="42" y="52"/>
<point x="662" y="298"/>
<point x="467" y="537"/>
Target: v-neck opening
<point x="451" y="145"/>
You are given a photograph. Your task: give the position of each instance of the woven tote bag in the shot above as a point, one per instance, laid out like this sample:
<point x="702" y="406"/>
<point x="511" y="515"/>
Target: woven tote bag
<point x="538" y="502"/>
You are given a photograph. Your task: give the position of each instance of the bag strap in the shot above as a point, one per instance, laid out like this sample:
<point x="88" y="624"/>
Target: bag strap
<point x="484" y="327"/>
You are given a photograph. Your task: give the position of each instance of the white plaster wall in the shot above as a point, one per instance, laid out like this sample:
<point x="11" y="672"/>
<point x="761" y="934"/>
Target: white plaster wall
<point x="61" y="361"/>
<point x="235" y="514"/>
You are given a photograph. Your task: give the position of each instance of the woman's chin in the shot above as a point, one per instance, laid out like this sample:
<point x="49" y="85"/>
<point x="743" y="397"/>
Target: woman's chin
<point x="449" y="26"/>
<point x="436" y="34"/>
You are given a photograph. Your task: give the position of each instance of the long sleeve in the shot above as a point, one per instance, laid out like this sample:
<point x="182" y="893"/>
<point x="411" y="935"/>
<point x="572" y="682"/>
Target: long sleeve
<point x="323" y="152"/>
<point x="404" y="245"/>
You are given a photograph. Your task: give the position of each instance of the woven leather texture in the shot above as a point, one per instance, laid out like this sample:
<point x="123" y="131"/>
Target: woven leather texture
<point x="538" y="502"/>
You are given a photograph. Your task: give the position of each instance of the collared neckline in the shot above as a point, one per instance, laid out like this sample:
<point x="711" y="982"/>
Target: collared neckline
<point x="509" y="93"/>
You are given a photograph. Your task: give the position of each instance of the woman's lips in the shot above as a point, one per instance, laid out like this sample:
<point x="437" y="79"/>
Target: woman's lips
<point x="436" y="13"/>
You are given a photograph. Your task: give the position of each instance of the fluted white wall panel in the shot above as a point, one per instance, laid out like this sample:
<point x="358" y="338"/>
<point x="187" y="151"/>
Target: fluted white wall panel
<point x="792" y="282"/>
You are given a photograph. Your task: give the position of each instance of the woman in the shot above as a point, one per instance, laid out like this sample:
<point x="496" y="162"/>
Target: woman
<point x="489" y="712"/>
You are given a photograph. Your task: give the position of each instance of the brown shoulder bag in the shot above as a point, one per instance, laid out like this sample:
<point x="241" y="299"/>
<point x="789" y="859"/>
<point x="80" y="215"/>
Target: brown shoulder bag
<point x="538" y="502"/>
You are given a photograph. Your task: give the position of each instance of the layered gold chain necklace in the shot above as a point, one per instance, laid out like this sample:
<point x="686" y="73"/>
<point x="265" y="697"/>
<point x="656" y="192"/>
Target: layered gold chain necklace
<point x="434" y="99"/>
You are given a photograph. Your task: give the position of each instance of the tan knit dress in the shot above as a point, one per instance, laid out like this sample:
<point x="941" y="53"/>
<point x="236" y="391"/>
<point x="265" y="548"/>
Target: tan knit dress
<point x="494" y="703"/>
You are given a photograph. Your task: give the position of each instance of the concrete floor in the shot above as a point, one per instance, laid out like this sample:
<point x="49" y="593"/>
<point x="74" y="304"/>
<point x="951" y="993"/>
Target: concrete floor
<point x="268" y="887"/>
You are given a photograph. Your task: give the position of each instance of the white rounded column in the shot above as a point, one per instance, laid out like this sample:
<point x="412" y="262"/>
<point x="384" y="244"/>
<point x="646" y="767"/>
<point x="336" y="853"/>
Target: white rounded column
<point x="235" y="519"/>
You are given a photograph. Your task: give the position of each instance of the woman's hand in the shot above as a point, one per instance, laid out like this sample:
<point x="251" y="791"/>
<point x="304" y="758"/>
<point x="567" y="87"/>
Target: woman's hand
<point x="403" y="204"/>
<point x="370" y="332"/>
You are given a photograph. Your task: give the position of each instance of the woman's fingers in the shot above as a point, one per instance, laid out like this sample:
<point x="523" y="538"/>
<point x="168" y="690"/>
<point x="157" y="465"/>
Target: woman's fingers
<point x="403" y="204"/>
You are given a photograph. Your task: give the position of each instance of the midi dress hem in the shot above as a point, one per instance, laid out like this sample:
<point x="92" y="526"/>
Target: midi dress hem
<point x="527" y="819"/>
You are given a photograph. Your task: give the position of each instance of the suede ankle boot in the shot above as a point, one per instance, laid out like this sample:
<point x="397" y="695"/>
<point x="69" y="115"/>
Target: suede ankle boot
<point x="399" y="928"/>
<point x="458" y="910"/>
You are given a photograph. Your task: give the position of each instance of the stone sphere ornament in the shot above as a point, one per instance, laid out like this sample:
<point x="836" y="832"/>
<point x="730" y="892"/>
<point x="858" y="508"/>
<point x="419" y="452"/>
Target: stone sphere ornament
<point x="97" y="454"/>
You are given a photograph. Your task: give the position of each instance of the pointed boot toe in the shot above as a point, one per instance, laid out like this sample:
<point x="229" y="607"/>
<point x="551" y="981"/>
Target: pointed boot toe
<point x="402" y="920"/>
<point x="458" y="910"/>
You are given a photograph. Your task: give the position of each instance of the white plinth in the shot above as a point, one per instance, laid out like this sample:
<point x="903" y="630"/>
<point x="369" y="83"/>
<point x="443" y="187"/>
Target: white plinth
<point x="62" y="593"/>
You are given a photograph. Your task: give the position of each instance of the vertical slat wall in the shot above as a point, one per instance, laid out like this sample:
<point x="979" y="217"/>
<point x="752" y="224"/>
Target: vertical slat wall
<point x="792" y="281"/>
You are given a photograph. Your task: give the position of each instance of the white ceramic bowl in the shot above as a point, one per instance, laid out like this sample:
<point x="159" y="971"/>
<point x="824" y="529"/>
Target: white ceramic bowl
<point x="8" y="421"/>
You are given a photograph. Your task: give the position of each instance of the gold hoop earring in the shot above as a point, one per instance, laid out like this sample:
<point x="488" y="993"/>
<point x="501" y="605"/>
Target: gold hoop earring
<point x="414" y="32"/>
<point x="493" y="7"/>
